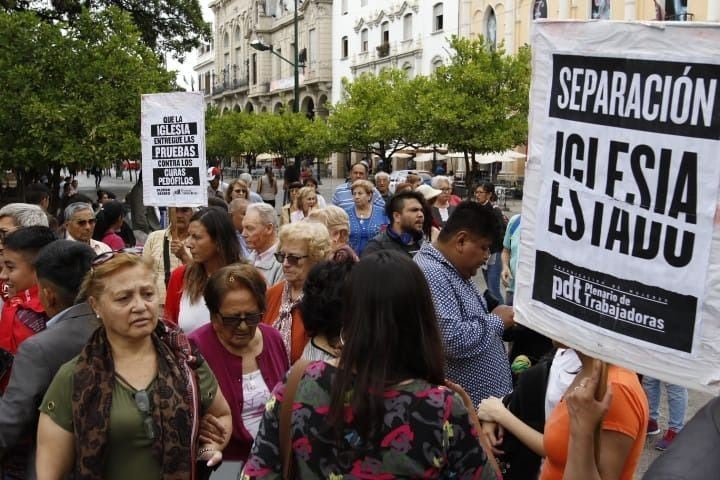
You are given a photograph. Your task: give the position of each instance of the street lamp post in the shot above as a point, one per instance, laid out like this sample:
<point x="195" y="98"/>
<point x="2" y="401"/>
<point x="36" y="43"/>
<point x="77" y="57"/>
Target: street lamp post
<point x="264" y="47"/>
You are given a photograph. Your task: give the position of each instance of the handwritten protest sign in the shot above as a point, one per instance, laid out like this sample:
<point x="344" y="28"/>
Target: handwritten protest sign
<point x="619" y="244"/>
<point x="173" y="149"/>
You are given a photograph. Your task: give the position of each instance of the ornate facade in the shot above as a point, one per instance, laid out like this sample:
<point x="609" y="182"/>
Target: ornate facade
<point x="510" y="20"/>
<point x="246" y="79"/>
<point x="370" y="35"/>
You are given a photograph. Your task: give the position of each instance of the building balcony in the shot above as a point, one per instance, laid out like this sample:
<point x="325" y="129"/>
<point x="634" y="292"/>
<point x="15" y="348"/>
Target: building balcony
<point x="383" y="50"/>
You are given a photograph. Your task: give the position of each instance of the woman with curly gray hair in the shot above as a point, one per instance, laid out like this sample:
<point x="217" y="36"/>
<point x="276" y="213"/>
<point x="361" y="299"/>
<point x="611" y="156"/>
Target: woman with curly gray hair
<point x="302" y="245"/>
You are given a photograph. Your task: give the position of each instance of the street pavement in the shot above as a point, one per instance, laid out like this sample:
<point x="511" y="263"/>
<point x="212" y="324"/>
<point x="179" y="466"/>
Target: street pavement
<point x="696" y="399"/>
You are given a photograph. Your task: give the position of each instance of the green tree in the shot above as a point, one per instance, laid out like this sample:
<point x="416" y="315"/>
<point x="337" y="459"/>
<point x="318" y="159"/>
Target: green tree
<point x="174" y="26"/>
<point x="479" y="102"/>
<point x="379" y="114"/>
<point x="71" y="93"/>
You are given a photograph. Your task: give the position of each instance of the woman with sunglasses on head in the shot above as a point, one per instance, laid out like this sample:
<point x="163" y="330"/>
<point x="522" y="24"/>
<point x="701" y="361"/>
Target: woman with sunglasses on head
<point x="212" y="244"/>
<point x="248" y="358"/>
<point x="236" y="189"/>
<point x="381" y="410"/>
<point x="129" y="405"/>
<point x="302" y="245"/>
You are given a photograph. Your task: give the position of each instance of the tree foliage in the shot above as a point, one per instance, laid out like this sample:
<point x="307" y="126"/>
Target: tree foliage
<point x="477" y="103"/>
<point x="290" y="135"/>
<point x="379" y="114"/>
<point x="480" y="100"/>
<point x="175" y="26"/>
<point x="71" y="93"/>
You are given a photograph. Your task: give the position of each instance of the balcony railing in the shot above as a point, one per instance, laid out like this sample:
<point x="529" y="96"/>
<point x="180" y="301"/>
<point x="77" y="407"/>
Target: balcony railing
<point x="681" y="17"/>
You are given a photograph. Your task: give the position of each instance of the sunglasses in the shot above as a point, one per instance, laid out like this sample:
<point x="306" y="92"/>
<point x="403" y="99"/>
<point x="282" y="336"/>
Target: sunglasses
<point x="250" y="319"/>
<point x="291" y="259"/>
<point x="142" y="402"/>
<point x="84" y="223"/>
<point x="107" y="256"/>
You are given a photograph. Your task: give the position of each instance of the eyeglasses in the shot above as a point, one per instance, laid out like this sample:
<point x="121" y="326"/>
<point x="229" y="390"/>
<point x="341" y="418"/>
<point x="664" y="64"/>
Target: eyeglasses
<point x="447" y="189"/>
<point x="107" y="256"/>
<point x="291" y="259"/>
<point x="142" y="401"/>
<point x="250" y="319"/>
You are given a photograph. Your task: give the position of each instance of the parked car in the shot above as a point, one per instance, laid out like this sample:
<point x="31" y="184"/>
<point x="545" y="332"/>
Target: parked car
<point x="400" y="176"/>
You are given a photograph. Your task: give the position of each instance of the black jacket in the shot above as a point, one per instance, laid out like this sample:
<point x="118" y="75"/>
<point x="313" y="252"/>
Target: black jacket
<point x="385" y="241"/>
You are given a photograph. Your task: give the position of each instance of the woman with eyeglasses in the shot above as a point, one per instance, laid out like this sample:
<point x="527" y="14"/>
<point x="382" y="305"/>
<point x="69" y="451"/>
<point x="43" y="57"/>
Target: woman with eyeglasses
<point x="381" y="410"/>
<point x="302" y="245"/>
<point x="212" y="244"/>
<point x="248" y="358"/>
<point x="236" y="189"/>
<point x="129" y="406"/>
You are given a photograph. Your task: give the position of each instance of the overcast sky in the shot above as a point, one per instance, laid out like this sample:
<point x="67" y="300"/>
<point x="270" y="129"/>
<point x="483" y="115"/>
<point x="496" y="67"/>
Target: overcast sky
<point x="185" y="70"/>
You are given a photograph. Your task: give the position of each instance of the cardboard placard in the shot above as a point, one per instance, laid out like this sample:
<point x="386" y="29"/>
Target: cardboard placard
<point x="620" y="242"/>
<point x="173" y="149"/>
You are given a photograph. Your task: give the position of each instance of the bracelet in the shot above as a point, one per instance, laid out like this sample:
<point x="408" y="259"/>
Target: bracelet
<point x="205" y="450"/>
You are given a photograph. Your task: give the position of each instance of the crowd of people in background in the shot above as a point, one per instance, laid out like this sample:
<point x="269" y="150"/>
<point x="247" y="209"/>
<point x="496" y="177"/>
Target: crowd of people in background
<point x="340" y="338"/>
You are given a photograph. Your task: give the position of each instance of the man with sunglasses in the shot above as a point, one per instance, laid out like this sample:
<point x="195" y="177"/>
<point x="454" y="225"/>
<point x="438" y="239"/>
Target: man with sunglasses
<point x="79" y="226"/>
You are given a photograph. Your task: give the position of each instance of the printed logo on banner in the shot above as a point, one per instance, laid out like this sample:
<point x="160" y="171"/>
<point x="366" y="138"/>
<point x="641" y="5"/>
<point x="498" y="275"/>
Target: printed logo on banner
<point x="628" y="191"/>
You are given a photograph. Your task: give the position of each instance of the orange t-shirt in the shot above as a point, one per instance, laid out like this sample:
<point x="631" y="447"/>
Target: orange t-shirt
<point x="628" y="414"/>
<point x="298" y="337"/>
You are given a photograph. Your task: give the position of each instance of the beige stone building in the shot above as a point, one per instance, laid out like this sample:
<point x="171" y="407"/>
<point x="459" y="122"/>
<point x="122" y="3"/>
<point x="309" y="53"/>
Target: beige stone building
<point x="510" y="20"/>
<point x="250" y="80"/>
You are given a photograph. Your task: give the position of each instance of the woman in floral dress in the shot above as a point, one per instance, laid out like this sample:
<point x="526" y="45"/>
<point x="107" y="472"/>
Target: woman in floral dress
<point x="402" y="422"/>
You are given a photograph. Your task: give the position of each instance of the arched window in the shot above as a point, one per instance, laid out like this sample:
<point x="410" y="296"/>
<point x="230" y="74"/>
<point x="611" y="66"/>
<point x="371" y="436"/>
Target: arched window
<point x="226" y="40"/>
<point x="385" y="32"/>
<point x="437" y="62"/>
<point x="438" y="20"/>
<point x="407" y="26"/>
<point x="364" y="40"/>
<point x="344" y="47"/>
<point x="491" y="28"/>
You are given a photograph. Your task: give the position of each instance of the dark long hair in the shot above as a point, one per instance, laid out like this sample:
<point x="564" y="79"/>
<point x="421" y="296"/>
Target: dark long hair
<point x="390" y="333"/>
<point x="218" y="225"/>
<point x="106" y="217"/>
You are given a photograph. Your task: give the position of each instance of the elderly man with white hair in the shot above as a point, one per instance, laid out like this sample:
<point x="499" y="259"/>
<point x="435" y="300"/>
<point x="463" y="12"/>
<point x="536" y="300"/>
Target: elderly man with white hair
<point x="79" y="226"/>
<point x="441" y="208"/>
<point x="260" y="232"/>
<point x="254" y="196"/>
<point x="17" y="215"/>
<point x="382" y="184"/>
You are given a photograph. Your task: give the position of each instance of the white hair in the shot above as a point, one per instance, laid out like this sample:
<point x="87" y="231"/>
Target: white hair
<point x="265" y="212"/>
<point x="74" y="208"/>
<point x="247" y="178"/>
<point x="439" y="179"/>
<point x="25" y="214"/>
<point x="382" y="175"/>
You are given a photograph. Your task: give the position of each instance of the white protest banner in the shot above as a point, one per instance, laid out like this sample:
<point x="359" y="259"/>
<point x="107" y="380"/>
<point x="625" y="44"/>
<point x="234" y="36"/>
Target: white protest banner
<point x="620" y="243"/>
<point x="173" y="149"/>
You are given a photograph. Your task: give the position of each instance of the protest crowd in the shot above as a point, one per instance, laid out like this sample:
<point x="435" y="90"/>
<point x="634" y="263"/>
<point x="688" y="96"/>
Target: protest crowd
<point x="340" y="339"/>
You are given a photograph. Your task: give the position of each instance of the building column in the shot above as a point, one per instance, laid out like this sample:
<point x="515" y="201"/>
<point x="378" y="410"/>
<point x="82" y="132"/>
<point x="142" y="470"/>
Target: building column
<point x="713" y="11"/>
<point x="510" y="15"/>
<point x="630" y="10"/>
<point x="563" y="9"/>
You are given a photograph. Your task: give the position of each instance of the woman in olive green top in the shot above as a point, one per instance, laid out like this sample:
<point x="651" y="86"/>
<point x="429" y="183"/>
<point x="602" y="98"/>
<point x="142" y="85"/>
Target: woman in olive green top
<point x="129" y="405"/>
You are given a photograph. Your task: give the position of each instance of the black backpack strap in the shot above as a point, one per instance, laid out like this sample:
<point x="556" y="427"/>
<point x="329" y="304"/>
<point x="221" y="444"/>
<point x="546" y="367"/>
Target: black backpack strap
<point x="166" y="258"/>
